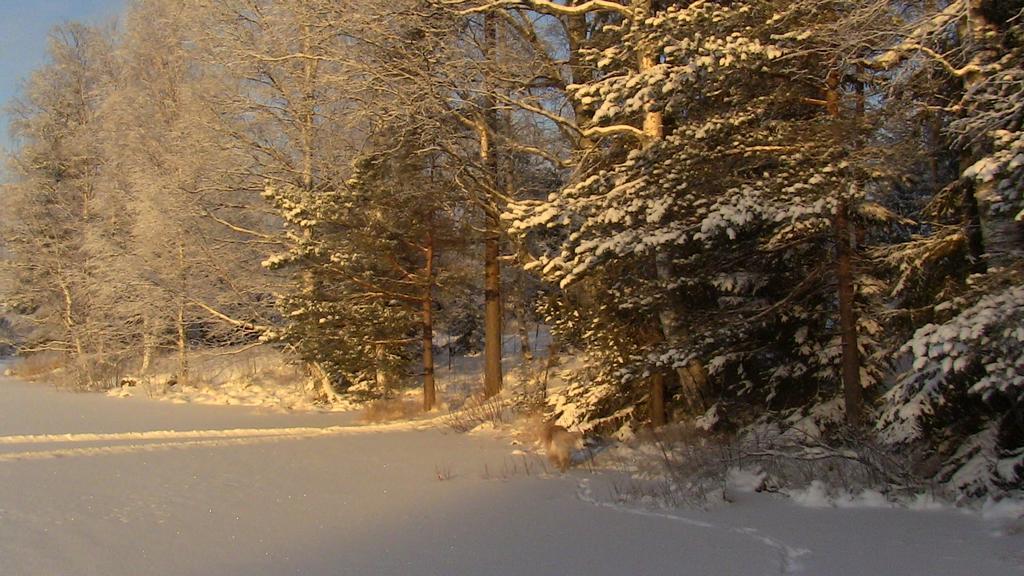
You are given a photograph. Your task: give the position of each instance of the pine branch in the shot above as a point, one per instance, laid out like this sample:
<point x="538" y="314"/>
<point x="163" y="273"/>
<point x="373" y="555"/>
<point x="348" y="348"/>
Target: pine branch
<point x="616" y="130"/>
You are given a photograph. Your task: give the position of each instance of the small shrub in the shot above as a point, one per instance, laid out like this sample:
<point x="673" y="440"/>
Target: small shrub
<point x="391" y="410"/>
<point x="679" y="466"/>
<point x="522" y="465"/>
<point x="478" y="410"/>
<point x="38" y="365"/>
<point x="674" y="467"/>
<point x="443" y="472"/>
<point x="845" y="460"/>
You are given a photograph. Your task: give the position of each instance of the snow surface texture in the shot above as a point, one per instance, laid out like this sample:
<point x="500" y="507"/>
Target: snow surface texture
<point x="156" y="488"/>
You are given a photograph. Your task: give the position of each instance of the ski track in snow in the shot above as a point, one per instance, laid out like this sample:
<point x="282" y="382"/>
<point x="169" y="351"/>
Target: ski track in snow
<point x="177" y="439"/>
<point x="788" y="556"/>
<point x="174" y="439"/>
<point x="134" y="448"/>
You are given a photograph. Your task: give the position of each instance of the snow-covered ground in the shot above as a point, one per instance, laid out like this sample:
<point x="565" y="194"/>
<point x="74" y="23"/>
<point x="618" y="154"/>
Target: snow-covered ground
<point x="93" y="485"/>
<point x="262" y="378"/>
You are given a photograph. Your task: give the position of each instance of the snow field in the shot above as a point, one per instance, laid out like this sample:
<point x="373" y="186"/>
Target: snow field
<point x="145" y="487"/>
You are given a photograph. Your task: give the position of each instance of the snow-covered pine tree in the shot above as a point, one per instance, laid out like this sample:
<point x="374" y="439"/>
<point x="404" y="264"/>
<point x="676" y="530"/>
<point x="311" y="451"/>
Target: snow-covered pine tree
<point x="726" y="227"/>
<point x="285" y="69"/>
<point x="371" y="250"/>
<point x="958" y="390"/>
<point x="335" y="317"/>
<point x="365" y="249"/>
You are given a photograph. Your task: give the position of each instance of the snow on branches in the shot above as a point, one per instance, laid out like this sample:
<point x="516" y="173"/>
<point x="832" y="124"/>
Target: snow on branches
<point x="980" y="352"/>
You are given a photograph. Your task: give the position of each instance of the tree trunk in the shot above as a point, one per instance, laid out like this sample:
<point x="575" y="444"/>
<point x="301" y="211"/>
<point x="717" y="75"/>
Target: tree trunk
<point x="492" y="312"/>
<point x="693" y="377"/>
<point x="182" y="346"/>
<point x="308" y="110"/>
<point x="429" y="390"/>
<point x="182" y="329"/>
<point x="492" y="264"/>
<point x="148" y="344"/>
<point x="382" y="377"/>
<point x="846" y="290"/>
<point x="549" y="365"/>
<point x="852" y="389"/>
<point x="1001" y="235"/>
<point x="72" y="330"/>
<point x="975" y="238"/>
<point x="521" y="311"/>
<point x="523" y="330"/>
<point x="654" y="125"/>
<point x="320" y="383"/>
<point x="576" y="32"/>
<point x="656" y="399"/>
<point x="321" y="380"/>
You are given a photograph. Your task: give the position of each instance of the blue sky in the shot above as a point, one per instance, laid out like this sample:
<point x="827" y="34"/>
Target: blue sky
<point x="24" y="25"/>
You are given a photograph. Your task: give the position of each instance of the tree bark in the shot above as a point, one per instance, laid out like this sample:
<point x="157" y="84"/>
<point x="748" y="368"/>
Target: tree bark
<point x="320" y="383"/>
<point x="429" y="389"/>
<point x="521" y="310"/>
<point x="975" y="238"/>
<point x="182" y="377"/>
<point x="656" y="399"/>
<point x="72" y="331"/>
<point x="1000" y="233"/>
<point x="523" y="330"/>
<point x="654" y="125"/>
<point x="1001" y="236"/>
<point x="308" y="110"/>
<point x="321" y="380"/>
<point x="492" y="264"/>
<point x="692" y="377"/>
<point x="668" y="322"/>
<point x="148" y="344"/>
<point x="576" y="33"/>
<point x="492" y="312"/>
<point x="381" y="375"/>
<point x="853" y="391"/>
<point x="550" y="364"/>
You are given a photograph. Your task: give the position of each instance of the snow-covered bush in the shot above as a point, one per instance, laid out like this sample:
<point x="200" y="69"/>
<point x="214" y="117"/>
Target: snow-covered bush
<point x="596" y="404"/>
<point x="807" y="451"/>
<point x="965" y="388"/>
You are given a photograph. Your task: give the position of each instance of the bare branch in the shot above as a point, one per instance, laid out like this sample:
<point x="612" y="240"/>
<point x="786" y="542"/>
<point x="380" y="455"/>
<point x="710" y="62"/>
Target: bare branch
<point x="222" y="316"/>
<point x="240" y="229"/>
<point x="548" y="7"/>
